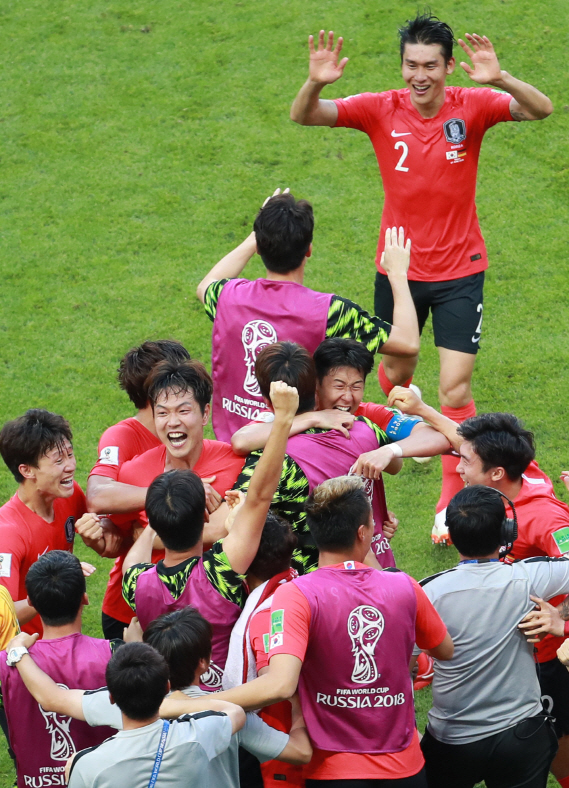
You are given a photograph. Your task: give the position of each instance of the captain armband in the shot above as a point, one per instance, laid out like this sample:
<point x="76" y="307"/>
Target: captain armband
<point x="400" y="426"/>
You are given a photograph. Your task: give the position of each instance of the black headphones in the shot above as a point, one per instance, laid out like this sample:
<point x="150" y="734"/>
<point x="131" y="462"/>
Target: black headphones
<point x="509" y="527"/>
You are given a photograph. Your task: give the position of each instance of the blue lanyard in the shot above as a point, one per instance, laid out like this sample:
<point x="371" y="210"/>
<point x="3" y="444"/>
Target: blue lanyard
<point x="159" y="754"/>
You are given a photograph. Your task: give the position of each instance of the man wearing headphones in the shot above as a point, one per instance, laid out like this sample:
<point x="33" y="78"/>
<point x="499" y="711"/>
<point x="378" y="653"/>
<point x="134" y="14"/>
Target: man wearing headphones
<point x="487" y="721"/>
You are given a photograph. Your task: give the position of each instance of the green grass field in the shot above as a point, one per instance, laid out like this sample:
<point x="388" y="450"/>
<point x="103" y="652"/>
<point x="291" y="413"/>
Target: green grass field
<point x="138" y="141"/>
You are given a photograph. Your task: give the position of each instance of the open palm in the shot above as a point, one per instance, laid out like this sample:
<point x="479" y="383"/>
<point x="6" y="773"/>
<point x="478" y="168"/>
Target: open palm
<point x="324" y="65"/>
<point x="485" y="67"/>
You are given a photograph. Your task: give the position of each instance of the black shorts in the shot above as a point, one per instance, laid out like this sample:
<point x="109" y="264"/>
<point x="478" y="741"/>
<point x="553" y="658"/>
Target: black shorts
<point x="456" y="306"/>
<point x="516" y="757"/>
<point x="554" y="683"/>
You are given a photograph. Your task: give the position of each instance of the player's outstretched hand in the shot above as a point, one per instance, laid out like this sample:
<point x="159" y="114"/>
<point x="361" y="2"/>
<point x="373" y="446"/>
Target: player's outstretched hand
<point x="87" y="569"/>
<point x="284" y="399"/>
<point x="235" y="500"/>
<point x="274" y="194"/>
<point x="397" y="255"/>
<point x="132" y="633"/>
<point x="324" y="66"/>
<point x="544" y="620"/>
<point x="485" y="67"/>
<point x="565" y="478"/>
<point x="405" y="400"/>
<point x="390" y="526"/>
<point x="563" y="653"/>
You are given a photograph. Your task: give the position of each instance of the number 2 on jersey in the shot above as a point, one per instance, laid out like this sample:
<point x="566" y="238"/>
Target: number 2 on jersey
<point x="399" y="166"/>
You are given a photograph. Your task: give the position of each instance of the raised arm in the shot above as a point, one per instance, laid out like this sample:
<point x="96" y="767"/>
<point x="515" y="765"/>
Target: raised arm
<point x="141" y="551"/>
<point x="404" y="336"/>
<point x="308" y="108"/>
<point x="242" y="543"/>
<point x="408" y="402"/>
<point x="44" y="690"/>
<point x="528" y="103"/>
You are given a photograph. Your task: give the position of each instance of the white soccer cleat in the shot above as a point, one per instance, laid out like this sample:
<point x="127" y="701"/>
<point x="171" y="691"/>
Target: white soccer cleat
<point x="440" y="534"/>
<point x="421" y="460"/>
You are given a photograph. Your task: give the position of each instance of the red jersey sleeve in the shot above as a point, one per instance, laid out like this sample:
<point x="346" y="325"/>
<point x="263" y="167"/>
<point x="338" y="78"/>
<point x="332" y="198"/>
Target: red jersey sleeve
<point x="430" y="630"/>
<point x="259" y="637"/>
<point x="379" y="414"/>
<point x="489" y="106"/>
<point x="12" y="554"/>
<point x="357" y="112"/>
<point x="290" y="622"/>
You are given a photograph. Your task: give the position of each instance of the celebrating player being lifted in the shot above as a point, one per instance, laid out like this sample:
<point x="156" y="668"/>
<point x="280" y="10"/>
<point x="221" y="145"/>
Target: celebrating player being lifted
<point x="427" y="134"/>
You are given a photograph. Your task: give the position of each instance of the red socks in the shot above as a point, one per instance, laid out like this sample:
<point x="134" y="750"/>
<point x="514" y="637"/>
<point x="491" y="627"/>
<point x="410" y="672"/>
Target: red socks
<point x="386" y="384"/>
<point x="452" y="482"/>
<point x="564" y="783"/>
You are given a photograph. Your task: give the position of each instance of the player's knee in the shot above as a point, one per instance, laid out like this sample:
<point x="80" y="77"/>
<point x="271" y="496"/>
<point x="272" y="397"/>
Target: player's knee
<point x="455" y="395"/>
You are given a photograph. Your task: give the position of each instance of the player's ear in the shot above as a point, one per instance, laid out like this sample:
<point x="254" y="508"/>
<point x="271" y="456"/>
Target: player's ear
<point x="498" y="474"/>
<point x="309" y="252"/>
<point x="450" y="66"/>
<point x="206" y="413"/>
<point x="27" y="471"/>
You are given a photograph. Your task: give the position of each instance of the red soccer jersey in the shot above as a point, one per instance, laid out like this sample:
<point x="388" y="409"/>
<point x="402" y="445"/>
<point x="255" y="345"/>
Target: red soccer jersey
<point x="543" y="529"/>
<point x="25" y="536"/>
<point x="122" y="442"/>
<point x="430" y="632"/>
<point x="216" y="459"/>
<point x="379" y="414"/>
<point x="428" y="167"/>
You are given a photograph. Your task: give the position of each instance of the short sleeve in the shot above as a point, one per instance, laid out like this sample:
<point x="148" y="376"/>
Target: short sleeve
<point x="129" y="583"/>
<point x="212" y="297"/>
<point x="213" y="730"/>
<point x="357" y="112"/>
<point x="549" y="576"/>
<point x="98" y="709"/>
<point x="379" y="414"/>
<point x="262" y="741"/>
<point x="430" y="629"/>
<point x="491" y="106"/>
<point x="290" y="622"/>
<point x="223" y="578"/>
<point x="348" y="320"/>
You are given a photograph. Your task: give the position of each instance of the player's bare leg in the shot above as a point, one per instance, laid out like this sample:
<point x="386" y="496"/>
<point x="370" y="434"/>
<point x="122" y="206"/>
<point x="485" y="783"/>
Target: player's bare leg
<point x="455" y="396"/>
<point x="395" y="371"/>
<point x="560" y="766"/>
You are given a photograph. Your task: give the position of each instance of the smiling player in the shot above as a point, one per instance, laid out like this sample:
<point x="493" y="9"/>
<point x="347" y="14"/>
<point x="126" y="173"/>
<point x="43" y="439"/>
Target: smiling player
<point x="41" y="515"/>
<point x="427" y="141"/>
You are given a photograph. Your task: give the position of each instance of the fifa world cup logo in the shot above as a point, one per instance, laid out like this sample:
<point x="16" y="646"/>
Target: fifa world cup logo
<point x="256" y="335"/>
<point x="365" y="627"/>
<point x="57" y="725"/>
<point x="213" y="677"/>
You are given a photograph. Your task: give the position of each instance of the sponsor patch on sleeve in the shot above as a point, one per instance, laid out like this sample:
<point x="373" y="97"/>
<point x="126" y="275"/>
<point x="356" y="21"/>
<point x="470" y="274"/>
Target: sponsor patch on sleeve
<point x="276" y="640"/>
<point x="5" y="564"/>
<point x="277" y="621"/>
<point x="266" y="642"/>
<point x="109" y="455"/>
<point x="561" y="539"/>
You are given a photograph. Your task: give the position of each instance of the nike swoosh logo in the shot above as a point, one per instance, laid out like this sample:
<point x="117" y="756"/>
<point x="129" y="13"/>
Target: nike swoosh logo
<point x="400" y="133"/>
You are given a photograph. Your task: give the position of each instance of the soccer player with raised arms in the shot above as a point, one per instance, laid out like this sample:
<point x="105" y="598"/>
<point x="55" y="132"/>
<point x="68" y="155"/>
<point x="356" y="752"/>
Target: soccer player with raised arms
<point x="427" y="141"/>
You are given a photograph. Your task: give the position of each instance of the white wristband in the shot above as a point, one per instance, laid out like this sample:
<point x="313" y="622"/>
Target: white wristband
<point x="396" y="449"/>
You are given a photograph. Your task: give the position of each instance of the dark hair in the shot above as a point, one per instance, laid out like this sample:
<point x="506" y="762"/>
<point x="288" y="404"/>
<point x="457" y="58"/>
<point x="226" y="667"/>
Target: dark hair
<point x="292" y="364"/>
<point x="137" y="679"/>
<point x="25" y="440"/>
<point x="283" y="231"/>
<point x="179" y="378"/>
<point x="501" y="441"/>
<point x="136" y="365"/>
<point x="276" y="547"/>
<point x="337" y="352"/>
<point x="175" y="507"/>
<point x="427" y="29"/>
<point x="474" y="519"/>
<point x="335" y="510"/>
<point x="183" y="638"/>
<point x="55" y="585"/>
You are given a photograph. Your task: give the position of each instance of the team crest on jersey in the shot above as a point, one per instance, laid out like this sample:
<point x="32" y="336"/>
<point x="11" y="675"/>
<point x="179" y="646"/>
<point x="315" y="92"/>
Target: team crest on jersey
<point x="70" y="529"/>
<point x="365" y="627"/>
<point x="58" y="726"/>
<point x="455" y="130"/>
<point x="213" y="677"/>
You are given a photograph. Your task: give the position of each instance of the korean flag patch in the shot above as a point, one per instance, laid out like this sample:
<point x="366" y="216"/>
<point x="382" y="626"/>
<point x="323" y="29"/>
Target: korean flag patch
<point x="5" y="564"/>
